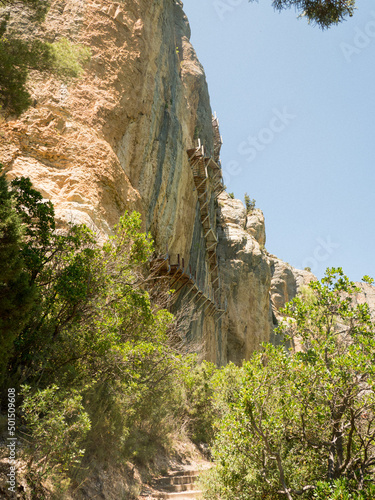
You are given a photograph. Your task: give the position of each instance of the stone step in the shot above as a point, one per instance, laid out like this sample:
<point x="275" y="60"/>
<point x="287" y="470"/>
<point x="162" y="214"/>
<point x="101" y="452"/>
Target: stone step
<point x="184" y="495"/>
<point x="176" y="488"/>
<point x="176" y="484"/>
<point x="179" y="495"/>
<point x="184" y="472"/>
<point x="179" y="484"/>
<point x="168" y="480"/>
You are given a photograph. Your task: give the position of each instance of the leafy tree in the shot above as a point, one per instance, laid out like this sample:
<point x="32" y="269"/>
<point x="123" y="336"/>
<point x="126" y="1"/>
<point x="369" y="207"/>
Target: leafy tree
<point x="17" y="294"/>
<point x="323" y="13"/>
<point x="54" y="413"/>
<point x="93" y="332"/>
<point x="304" y="421"/>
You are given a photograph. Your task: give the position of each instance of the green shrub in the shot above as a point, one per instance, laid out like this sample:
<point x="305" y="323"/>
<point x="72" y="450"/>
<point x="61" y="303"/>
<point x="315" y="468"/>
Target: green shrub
<point x="343" y="489"/>
<point x="300" y="418"/>
<point x="249" y="204"/>
<point x="209" y="392"/>
<point x="199" y="401"/>
<point x="57" y="424"/>
<point x="69" y="58"/>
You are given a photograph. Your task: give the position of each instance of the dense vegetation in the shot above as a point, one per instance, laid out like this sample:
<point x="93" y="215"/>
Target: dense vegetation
<point x="94" y="357"/>
<point x="85" y="340"/>
<point x="301" y="419"/>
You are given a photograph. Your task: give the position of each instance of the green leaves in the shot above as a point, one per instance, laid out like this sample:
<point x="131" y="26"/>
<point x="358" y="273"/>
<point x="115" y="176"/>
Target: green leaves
<point x="68" y="59"/>
<point x="322" y="13"/>
<point x="58" y="424"/>
<point x="299" y="417"/>
<point x="17" y="294"/>
<point x="92" y="331"/>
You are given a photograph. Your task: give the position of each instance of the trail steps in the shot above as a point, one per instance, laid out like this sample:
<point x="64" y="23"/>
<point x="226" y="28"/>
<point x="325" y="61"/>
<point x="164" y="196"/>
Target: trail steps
<point x="179" y="484"/>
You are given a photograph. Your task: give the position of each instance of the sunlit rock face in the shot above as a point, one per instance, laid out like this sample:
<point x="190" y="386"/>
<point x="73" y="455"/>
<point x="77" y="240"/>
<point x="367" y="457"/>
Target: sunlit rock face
<point x="246" y="278"/>
<point x="117" y="138"/>
<point x="367" y="295"/>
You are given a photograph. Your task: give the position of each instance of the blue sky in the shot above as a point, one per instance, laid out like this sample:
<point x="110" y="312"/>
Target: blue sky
<point x="297" y="114"/>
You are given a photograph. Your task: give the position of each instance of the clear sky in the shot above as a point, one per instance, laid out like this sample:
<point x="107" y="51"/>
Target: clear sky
<point x="297" y="114"/>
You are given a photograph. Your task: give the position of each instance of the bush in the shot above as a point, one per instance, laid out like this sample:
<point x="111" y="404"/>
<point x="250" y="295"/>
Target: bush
<point x="209" y="392"/>
<point x="58" y="426"/>
<point x="200" y="412"/>
<point x="69" y="58"/>
<point x="303" y="417"/>
<point x="249" y="204"/>
<point x="342" y="489"/>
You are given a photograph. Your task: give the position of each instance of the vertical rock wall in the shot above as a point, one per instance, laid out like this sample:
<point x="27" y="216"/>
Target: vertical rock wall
<point x="117" y="139"/>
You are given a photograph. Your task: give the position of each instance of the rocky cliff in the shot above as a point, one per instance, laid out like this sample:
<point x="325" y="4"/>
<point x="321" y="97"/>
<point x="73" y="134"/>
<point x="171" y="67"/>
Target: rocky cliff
<point x="135" y="131"/>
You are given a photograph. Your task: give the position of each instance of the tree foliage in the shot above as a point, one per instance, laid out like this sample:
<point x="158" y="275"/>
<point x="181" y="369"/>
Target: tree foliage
<point x="303" y="422"/>
<point x="323" y="13"/>
<point x="54" y="413"/>
<point x="249" y="203"/>
<point x="17" y="294"/>
<point x="91" y="330"/>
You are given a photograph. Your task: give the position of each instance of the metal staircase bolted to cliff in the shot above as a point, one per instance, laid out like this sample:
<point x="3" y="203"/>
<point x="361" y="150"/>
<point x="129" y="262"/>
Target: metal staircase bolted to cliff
<point x="181" y="276"/>
<point x="207" y="179"/>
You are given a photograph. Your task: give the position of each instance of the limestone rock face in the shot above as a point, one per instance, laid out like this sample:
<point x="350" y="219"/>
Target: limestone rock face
<point x="286" y="282"/>
<point x="246" y="280"/>
<point x="367" y="295"/>
<point x="116" y="139"/>
<point x="255" y="226"/>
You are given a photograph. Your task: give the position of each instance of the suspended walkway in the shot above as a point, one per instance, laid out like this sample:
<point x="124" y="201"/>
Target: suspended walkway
<point x="180" y="276"/>
<point x="208" y="182"/>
